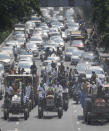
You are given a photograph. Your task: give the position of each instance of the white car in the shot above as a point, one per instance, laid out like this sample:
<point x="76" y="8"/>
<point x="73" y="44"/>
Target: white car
<point x="1" y="70"/>
<point x="51" y="42"/>
<point x="81" y="69"/>
<point x="54" y="31"/>
<point x="60" y="42"/>
<point x="30" y="25"/>
<point x="26" y="53"/>
<point x="64" y="36"/>
<point x="51" y="47"/>
<point x="54" y="58"/>
<point x="33" y="48"/>
<point x="47" y="66"/>
<point x="97" y="69"/>
<point x="7" y="48"/>
<point x="21" y="41"/>
<point x="37" y="40"/>
<point x="26" y="65"/>
<point x="36" y="19"/>
<point x="12" y="43"/>
<point x="25" y="58"/>
<point x="6" y="59"/>
<point x="68" y="53"/>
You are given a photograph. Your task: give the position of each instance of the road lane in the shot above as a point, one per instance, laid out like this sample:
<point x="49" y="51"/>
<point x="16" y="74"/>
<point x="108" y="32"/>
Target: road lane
<point x="72" y="120"/>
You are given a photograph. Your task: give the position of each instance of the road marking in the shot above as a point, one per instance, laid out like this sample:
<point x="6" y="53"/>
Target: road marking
<point x="75" y="111"/>
<point x="17" y="123"/>
<point x="79" y="129"/>
<point x="16" y="129"/>
<point x="74" y="106"/>
<point x="77" y="122"/>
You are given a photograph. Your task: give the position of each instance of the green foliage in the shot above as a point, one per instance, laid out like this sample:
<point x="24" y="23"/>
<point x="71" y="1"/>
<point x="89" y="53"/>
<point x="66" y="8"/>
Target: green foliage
<point x="4" y="34"/>
<point x="12" y="11"/>
<point x="100" y="17"/>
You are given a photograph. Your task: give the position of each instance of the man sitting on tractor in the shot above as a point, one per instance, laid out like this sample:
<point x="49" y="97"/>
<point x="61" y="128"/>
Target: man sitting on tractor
<point x="50" y="90"/>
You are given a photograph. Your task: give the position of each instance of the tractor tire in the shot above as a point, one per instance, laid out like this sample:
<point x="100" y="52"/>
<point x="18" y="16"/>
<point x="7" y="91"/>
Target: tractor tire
<point x="40" y="112"/>
<point x="26" y="114"/>
<point x="6" y="115"/>
<point x="60" y="112"/>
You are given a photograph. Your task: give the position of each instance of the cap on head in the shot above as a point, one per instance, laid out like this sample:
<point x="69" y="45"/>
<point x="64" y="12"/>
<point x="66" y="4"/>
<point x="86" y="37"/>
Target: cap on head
<point x="93" y="82"/>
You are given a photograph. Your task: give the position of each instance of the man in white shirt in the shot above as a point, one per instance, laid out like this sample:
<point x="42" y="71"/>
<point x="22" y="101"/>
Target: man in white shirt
<point x="41" y="91"/>
<point x="98" y="81"/>
<point x="28" y="90"/>
<point x="58" y="89"/>
<point x="8" y="90"/>
<point x="93" y="88"/>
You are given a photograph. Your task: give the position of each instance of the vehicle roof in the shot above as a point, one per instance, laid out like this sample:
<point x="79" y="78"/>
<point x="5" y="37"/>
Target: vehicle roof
<point x="18" y="75"/>
<point x="96" y="67"/>
<point x="4" y="53"/>
<point x="1" y="65"/>
<point x="19" y="25"/>
<point x="27" y="62"/>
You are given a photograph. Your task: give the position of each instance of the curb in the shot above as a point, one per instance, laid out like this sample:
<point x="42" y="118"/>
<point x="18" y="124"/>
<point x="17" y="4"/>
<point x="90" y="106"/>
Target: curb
<point x="3" y="43"/>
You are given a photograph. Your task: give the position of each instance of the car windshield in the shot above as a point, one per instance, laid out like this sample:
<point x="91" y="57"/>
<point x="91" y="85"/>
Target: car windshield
<point x="95" y="70"/>
<point x="58" y="40"/>
<point x="35" y="18"/>
<point x="70" y="49"/>
<point x="88" y="56"/>
<point x="50" y="46"/>
<point x="31" y="46"/>
<point x="81" y="68"/>
<point x="34" y="39"/>
<point x="45" y="64"/>
<point x="24" y="65"/>
<point x="52" y="58"/>
<point x="25" y="57"/>
<point x="76" y="53"/>
<point x="20" y="35"/>
<point x="24" y="52"/>
<point x="10" y="49"/>
<point x="55" y="37"/>
<point x="79" y="42"/>
<point x="19" y="32"/>
<point x="1" y="68"/>
<point x="73" y="25"/>
<point x="4" y="56"/>
<point x="21" y="39"/>
<point x="51" y="43"/>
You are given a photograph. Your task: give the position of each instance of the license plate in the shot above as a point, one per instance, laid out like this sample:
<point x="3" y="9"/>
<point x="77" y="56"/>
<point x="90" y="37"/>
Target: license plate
<point x="50" y="102"/>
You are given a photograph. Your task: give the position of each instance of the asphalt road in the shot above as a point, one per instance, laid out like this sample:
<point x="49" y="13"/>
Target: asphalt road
<point x="72" y="120"/>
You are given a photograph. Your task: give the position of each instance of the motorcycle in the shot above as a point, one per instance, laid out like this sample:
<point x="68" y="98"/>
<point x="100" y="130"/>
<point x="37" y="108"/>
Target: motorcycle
<point x="65" y="99"/>
<point x="76" y="96"/>
<point x="71" y="90"/>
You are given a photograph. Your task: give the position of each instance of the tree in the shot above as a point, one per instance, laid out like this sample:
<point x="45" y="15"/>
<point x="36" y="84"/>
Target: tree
<point x="100" y="17"/>
<point x="12" y="11"/>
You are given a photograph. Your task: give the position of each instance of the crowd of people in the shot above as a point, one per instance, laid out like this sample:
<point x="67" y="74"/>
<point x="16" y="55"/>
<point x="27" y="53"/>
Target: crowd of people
<point x="65" y="77"/>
